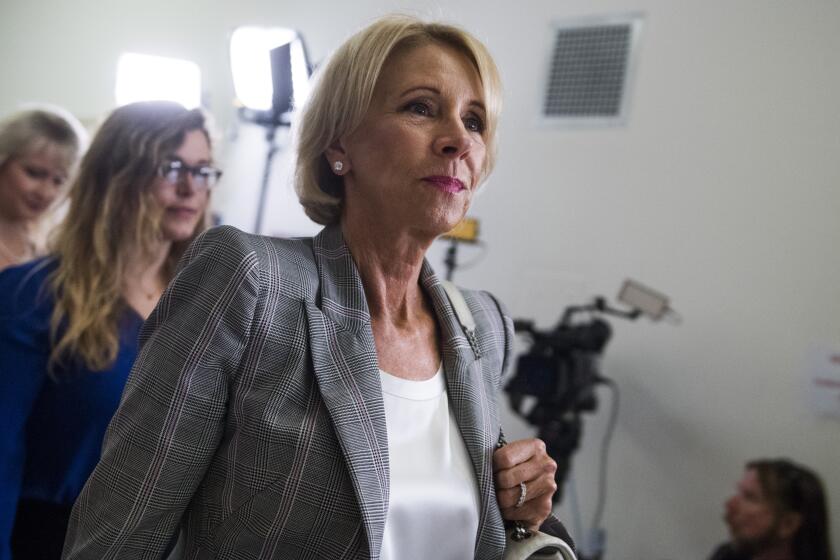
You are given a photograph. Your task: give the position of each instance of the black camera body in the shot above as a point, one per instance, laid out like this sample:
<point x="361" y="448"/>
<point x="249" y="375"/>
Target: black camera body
<point x="558" y="376"/>
<point x="561" y="368"/>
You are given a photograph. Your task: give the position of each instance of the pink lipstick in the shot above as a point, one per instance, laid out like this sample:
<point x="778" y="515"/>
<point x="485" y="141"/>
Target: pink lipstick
<point x="446" y="184"/>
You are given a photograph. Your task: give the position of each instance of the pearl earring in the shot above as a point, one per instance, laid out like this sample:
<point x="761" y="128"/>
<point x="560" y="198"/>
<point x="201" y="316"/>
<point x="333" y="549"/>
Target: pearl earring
<point x="338" y="166"/>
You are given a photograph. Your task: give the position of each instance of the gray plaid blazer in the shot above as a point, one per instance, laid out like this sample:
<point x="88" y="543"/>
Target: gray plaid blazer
<point x="253" y="419"/>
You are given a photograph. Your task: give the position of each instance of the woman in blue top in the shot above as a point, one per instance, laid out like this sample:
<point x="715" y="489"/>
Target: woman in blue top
<point x="69" y="321"/>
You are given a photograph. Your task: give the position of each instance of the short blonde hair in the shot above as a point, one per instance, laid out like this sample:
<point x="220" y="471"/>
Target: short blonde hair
<point x="343" y="92"/>
<point x="34" y="130"/>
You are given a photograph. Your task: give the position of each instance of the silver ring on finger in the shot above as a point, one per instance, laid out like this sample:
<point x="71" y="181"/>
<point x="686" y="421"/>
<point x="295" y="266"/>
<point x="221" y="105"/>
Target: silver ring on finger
<point x="523" y="492"/>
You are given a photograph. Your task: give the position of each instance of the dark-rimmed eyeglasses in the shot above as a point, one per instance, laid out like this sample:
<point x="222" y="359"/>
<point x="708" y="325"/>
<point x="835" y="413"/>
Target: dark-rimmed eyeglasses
<point x="203" y="176"/>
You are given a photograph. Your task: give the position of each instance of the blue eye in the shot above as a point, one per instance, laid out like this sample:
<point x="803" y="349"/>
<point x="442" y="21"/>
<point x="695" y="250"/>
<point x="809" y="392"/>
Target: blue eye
<point x="419" y="108"/>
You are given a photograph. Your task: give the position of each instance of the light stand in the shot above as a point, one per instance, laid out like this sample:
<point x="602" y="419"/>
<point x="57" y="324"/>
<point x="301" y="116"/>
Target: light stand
<point x="288" y="64"/>
<point x="270" y="134"/>
<point x="466" y="231"/>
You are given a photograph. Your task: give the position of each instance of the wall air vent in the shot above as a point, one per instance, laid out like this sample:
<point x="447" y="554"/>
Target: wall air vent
<point x="591" y="66"/>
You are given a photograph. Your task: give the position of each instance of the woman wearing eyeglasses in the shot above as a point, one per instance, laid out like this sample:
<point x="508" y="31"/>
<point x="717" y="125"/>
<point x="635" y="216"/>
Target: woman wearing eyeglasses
<point x="69" y="322"/>
<point x="38" y="149"/>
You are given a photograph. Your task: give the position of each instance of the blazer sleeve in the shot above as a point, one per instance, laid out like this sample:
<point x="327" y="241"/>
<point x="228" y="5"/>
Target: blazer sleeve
<point x="172" y="414"/>
<point x="509" y="334"/>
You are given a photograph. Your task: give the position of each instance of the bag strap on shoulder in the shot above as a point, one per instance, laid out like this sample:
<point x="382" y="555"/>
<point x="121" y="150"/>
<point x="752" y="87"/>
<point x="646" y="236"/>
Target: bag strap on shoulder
<point x="462" y="311"/>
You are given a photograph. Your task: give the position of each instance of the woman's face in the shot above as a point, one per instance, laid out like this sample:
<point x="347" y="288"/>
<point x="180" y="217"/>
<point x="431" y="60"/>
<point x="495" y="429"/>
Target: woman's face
<point x="29" y="184"/>
<point x="184" y="202"/>
<point x="416" y="159"/>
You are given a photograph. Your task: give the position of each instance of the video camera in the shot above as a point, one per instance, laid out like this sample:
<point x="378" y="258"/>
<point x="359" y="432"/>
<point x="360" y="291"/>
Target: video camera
<point x="556" y="379"/>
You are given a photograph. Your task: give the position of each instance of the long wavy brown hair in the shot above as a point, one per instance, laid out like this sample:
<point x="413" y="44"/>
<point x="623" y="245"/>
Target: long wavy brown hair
<point x="795" y="488"/>
<point x="111" y="214"/>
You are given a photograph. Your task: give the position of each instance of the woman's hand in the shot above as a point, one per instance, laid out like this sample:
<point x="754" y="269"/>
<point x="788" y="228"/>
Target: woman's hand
<point x="524" y="461"/>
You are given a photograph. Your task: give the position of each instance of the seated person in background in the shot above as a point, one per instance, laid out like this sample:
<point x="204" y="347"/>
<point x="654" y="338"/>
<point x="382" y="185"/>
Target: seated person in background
<point x="69" y="321"/>
<point x="778" y="513"/>
<point x="38" y="149"/>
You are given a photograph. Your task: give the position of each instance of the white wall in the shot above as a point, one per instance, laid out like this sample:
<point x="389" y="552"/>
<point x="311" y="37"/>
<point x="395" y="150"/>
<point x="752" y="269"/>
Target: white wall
<point x="723" y="191"/>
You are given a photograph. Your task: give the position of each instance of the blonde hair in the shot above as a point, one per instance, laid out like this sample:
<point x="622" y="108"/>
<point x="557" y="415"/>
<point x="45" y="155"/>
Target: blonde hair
<point x="343" y="92"/>
<point x="35" y="130"/>
<point x="111" y="209"/>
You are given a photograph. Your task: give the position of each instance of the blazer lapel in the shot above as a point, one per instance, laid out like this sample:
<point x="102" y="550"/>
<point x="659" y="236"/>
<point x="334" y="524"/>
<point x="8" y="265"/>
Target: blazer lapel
<point x="346" y="368"/>
<point x="347" y="371"/>
<point x="473" y="400"/>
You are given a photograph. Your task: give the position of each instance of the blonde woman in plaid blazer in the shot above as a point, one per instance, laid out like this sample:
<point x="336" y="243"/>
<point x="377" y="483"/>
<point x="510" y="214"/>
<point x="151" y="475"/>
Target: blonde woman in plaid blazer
<point x="253" y="421"/>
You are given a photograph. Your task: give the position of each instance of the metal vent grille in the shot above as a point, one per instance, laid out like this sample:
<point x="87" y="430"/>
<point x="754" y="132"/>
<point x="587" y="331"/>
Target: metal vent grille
<point x="591" y="62"/>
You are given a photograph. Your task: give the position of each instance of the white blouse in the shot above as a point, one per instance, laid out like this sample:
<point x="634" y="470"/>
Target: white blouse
<point x="434" y="502"/>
